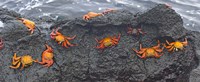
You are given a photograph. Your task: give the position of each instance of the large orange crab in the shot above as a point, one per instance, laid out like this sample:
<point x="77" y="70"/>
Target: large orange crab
<point x="149" y="52"/>
<point x="29" y="24"/>
<point x="108" y="42"/>
<point x="25" y="61"/>
<point x="61" y="39"/>
<point x="47" y="57"/>
<point x="175" y="46"/>
<point x="1" y="44"/>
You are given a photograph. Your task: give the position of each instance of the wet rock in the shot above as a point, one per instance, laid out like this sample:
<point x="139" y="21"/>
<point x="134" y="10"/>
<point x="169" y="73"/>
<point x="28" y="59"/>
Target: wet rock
<point x="84" y="63"/>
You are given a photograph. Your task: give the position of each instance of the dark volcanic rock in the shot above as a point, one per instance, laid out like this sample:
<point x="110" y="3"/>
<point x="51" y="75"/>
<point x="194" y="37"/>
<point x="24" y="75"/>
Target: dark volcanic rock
<point x="84" y="63"/>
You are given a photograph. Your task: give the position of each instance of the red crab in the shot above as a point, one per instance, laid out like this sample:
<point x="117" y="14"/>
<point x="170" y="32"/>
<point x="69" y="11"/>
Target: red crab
<point x="47" y="57"/>
<point x="108" y="42"/>
<point x="135" y="31"/>
<point x="61" y="39"/>
<point x="1" y="44"/>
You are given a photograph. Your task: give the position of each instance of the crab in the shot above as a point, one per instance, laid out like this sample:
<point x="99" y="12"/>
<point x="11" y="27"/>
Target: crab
<point x="175" y="46"/>
<point x="168" y="5"/>
<point x="149" y="52"/>
<point x="61" y="39"/>
<point x="90" y="15"/>
<point x="135" y="31"/>
<point x="25" y="61"/>
<point x="1" y="44"/>
<point x="28" y="23"/>
<point x="108" y="42"/>
<point x="47" y="57"/>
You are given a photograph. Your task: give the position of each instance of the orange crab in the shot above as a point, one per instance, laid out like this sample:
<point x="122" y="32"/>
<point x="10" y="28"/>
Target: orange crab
<point x="90" y="15"/>
<point x="25" y="61"/>
<point x="61" y="39"/>
<point x="149" y="52"/>
<point x="108" y="42"/>
<point x="175" y="46"/>
<point x="1" y="44"/>
<point x="47" y="57"/>
<point x="29" y="24"/>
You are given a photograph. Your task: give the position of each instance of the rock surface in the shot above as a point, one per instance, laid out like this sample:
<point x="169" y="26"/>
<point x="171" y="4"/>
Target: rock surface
<point x="84" y="63"/>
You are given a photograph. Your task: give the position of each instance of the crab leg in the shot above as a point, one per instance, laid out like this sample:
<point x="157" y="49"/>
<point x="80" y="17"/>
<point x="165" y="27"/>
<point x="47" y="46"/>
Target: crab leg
<point x="15" y="67"/>
<point x="70" y="38"/>
<point x="140" y="31"/>
<point x="167" y="46"/>
<point x="159" y="50"/>
<point x="68" y="43"/>
<point x="139" y="52"/>
<point x="185" y="42"/>
<point x="143" y="56"/>
<point x="114" y="42"/>
<point x="156" y="47"/>
<point x="15" y="57"/>
<point x="98" y="41"/>
<point x="65" y="44"/>
<point x="172" y="47"/>
<point x="157" y="55"/>
<point x="169" y="43"/>
<point x="15" y="62"/>
<point x="22" y="67"/>
<point x="101" y="46"/>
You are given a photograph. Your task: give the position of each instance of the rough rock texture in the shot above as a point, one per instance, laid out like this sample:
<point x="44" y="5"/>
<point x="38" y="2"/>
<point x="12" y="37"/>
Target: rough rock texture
<point x="84" y="63"/>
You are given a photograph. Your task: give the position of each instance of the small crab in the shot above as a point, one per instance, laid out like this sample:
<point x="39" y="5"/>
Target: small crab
<point x="25" y="61"/>
<point x="149" y="52"/>
<point x="168" y="5"/>
<point x="47" y="57"/>
<point x="175" y="46"/>
<point x="90" y="15"/>
<point x="1" y="44"/>
<point x="61" y="39"/>
<point x="135" y="31"/>
<point x="108" y="42"/>
<point x="29" y="24"/>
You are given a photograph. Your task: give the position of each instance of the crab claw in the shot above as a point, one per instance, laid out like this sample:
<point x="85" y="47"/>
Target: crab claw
<point x="49" y="49"/>
<point x="86" y="17"/>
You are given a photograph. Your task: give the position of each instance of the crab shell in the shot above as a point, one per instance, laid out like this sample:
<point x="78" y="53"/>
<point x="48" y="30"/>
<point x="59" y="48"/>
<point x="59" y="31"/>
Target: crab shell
<point x="26" y="60"/>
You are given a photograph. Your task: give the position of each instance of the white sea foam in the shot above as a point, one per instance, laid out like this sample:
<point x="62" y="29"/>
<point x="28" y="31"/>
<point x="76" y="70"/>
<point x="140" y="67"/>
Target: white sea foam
<point x="49" y="1"/>
<point x="1" y="24"/>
